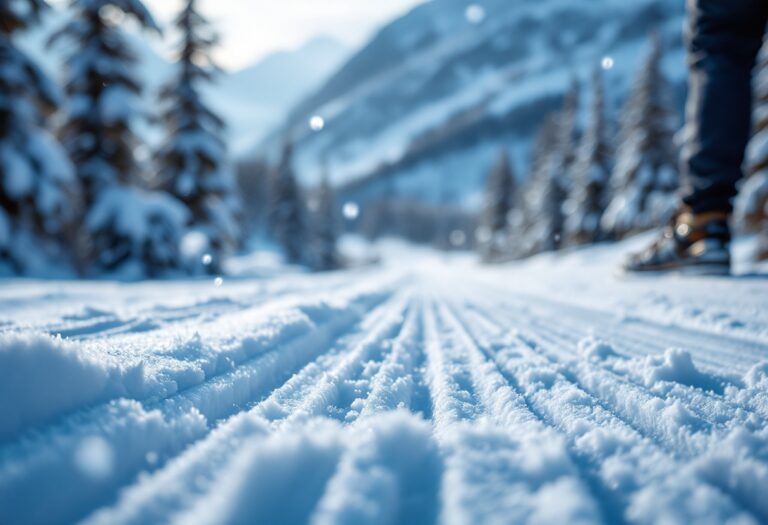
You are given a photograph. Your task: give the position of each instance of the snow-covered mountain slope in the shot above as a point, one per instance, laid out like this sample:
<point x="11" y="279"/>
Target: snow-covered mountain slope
<point x="428" y="390"/>
<point x="259" y="97"/>
<point x="252" y="100"/>
<point x="430" y="100"/>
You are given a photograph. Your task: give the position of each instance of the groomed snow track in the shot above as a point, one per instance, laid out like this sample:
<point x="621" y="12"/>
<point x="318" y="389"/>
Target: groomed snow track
<point x="433" y="395"/>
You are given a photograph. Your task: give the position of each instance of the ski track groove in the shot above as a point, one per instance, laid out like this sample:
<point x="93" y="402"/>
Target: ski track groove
<point x="93" y="322"/>
<point x="307" y="393"/>
<point x="507" y="407"/>
<point x="646" y="427"/>
<point x="395" y="383"/>
<point x="509" y="426"/>
<point x="327" y="392"/>
<point x="218" y="397"/>
<point x="637" y="343"/>
<point x="643" y="417"/>
<point x="708" y="343"/>
<point x="707" y="406"/>
<point x="608" y="510"/>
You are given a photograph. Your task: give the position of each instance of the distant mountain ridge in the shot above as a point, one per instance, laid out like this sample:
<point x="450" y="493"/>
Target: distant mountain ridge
<point x="424" y="107"/>
<point x="257" y="98"/>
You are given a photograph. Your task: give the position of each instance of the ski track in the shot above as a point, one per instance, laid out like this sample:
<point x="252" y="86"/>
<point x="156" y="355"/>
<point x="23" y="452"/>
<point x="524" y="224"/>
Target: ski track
<point x="381" y="396"/>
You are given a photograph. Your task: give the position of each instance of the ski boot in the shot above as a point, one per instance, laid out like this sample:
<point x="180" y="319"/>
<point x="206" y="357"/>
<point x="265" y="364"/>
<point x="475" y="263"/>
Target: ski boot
<point x="693" y="244"/>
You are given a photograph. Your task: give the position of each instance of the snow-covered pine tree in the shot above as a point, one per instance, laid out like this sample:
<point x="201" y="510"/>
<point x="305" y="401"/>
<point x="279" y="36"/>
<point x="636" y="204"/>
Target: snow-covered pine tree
<point x="590" y="175"/>
<point x="551" y="182"/>
<point x="125" y="228"/>
<point x="530" y="205"/>
<point x="323" y="230"/>
<point x="37" y="183"/>
<point x="567" y="136"/>
<point x="751" y="213"/>
<point x="192" y="165"/>
<point x="644" y="180"/>
<point x="493" y="234"/>
<point x="287" y="214"/>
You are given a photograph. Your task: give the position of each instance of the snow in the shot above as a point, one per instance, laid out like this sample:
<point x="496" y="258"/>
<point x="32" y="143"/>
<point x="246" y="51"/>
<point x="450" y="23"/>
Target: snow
<point x="43" y="376"/>
<point x="424" y="389"/>
<point x="423" y="93"/>
<point x="676" y="366"/>
<point x="151" y="223"/>
<point x="129" y="207"/>
<point x="18" y="179"/>
<point x="5" y="229"/>
<point x="595" y="349"/>
<point x="752" y="195"/>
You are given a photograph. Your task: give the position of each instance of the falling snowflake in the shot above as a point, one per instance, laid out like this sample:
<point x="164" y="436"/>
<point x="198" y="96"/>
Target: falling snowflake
<point x="313" y="204"/>
<point x="458" y="238"/>
<point x="94" y="457"/>
<point x="218" y="281"/>
<point x="351" y="211"/>
<point x="317" y="123"/>
<point x="193" y="244"/>
<point x="475" y="13"/>
<point x="607" y="63"/>
<point x="483" y="234"/>
<point x="207" y="259"/>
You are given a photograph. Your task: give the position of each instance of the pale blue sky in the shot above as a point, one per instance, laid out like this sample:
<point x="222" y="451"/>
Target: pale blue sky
<point x="254" y="28"/>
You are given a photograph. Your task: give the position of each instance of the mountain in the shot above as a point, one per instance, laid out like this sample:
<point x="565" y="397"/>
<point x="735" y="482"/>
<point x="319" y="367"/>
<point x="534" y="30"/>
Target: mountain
<point x="252" y="100"/>
<point x="424" y="107"/>
<point x="257" y="98"/>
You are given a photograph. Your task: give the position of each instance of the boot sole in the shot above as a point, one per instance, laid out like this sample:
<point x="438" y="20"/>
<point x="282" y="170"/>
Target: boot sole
<point x="697" y="270"/>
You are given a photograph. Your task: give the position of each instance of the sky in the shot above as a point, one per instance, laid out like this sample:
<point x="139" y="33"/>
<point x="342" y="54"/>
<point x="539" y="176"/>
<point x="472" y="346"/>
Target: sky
<point x="251" y="29"/>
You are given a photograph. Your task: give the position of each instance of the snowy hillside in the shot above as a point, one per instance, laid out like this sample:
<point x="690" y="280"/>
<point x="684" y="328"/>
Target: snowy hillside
<point x="255" y="99"/>
<point x="437" y="92"/>
<point x="429" y="392"/>
<point x="252" y="100"/>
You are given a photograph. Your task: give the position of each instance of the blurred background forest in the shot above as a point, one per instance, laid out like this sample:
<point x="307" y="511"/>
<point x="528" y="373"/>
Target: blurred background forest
<point x="509" y="127"/>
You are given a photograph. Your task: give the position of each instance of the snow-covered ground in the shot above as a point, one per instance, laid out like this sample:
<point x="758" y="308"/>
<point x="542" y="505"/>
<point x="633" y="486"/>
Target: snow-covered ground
<point x="425" y="390"/>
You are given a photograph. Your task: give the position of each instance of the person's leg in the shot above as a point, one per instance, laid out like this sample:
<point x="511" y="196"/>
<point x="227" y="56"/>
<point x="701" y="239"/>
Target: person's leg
<point x="724" y="37"/>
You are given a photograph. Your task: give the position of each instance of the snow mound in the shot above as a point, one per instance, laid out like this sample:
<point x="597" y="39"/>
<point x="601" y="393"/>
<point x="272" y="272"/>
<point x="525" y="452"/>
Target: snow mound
<point x="595" y="350"/>
<point x="738" y="465"/>
<point x="42" y="377"/>
<point x="757" y="375"/>
<point x="539" y="479"/>
<point x="299" y="460"/>
<point x="392" y="454"/>
<point x="676" y="366"/>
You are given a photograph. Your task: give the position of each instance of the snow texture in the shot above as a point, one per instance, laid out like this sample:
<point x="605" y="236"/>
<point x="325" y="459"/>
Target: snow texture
<point x="429" y="389"/>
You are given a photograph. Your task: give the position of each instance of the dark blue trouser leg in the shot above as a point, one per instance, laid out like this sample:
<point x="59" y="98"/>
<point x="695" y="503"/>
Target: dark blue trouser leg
<point x="724" y="37"/>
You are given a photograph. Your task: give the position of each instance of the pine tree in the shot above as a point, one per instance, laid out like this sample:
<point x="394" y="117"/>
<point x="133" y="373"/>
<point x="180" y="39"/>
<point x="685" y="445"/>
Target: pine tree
<point x="37" y="184"/>
<point x="551" y="179"/>
<point x="287" y="217"/>
<point x="751" y="211"/>
<point x="551" y="220"/>
<point x="590" y="175"/>
<point x="566" y="139"/>
<point x="534" y="191"/>
<point x="494" y="234"/>
<point x="644" y="180"/>
<point x="125" y="227"/>
<point x="324" y="255"/>
<point x="104" y="93"/>
<point x="192" y="164"/>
